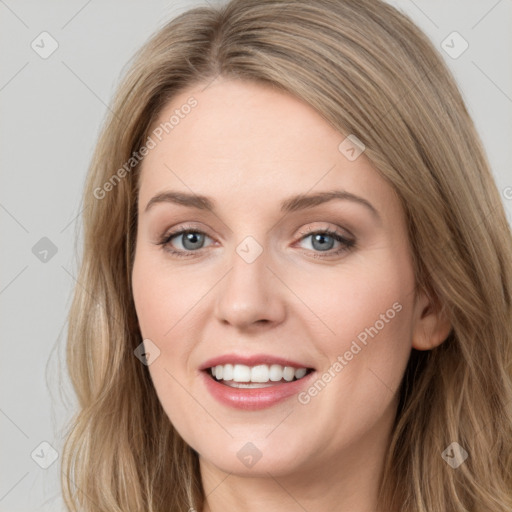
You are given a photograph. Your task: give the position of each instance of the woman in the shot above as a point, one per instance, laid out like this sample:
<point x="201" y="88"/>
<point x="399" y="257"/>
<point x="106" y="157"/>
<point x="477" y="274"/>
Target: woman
<point x="297" y="276"/>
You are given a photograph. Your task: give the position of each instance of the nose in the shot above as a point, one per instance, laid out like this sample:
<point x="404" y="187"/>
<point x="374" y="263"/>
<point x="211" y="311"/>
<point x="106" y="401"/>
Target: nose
<point x="250" y="295"/>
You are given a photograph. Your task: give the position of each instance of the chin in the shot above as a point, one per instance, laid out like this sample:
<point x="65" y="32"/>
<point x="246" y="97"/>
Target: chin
<point x="256" y="458"/>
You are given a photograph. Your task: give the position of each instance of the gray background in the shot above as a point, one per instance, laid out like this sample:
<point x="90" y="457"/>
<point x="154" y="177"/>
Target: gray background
<point x="51" y="112"/>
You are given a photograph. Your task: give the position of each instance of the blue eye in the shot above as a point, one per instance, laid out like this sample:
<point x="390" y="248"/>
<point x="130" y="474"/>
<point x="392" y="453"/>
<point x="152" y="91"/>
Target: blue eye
<point x="324" y="240"/>
<point x="192" y="241"/>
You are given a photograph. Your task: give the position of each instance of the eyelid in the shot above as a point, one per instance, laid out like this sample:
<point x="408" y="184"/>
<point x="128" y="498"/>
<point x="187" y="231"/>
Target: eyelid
<point x="327" y="228"/>
<point x="184" y="227"/>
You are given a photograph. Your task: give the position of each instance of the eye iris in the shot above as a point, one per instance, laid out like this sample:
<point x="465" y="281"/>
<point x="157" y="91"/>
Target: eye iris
<point x="321" y="238"/>
<point x="195" y="239"/>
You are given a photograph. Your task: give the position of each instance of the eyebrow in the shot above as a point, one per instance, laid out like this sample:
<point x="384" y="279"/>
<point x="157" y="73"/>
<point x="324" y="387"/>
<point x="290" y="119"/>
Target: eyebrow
<point x="292" y="204"/>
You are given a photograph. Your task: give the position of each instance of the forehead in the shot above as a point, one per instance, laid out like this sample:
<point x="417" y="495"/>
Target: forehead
<point x="250" y="139"/>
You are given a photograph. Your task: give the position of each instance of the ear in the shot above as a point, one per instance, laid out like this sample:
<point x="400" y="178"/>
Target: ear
<point x="431" y="325"/>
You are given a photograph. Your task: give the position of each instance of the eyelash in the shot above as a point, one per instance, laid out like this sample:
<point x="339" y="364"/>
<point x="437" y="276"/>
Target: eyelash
<point x="347" y="244"/>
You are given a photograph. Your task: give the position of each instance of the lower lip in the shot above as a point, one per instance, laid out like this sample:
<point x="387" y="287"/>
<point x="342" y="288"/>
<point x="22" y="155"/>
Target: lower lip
<point x="257" y="398"/>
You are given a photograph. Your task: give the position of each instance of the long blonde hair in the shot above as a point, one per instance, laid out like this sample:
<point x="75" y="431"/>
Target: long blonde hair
<point x="369" y="71"/>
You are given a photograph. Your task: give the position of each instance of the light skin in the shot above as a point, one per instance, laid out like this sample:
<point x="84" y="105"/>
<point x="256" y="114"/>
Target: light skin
<point x="250" y="147"/>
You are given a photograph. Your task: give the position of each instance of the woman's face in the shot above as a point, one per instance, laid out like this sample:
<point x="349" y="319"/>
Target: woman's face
<point x="272" y="280"/>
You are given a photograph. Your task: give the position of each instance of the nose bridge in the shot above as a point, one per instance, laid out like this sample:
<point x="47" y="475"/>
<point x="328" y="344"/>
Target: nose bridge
<point x="250" y="292"/>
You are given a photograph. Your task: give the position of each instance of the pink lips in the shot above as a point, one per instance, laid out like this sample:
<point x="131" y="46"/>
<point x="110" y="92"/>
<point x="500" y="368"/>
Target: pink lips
<point x="257" y="398"/>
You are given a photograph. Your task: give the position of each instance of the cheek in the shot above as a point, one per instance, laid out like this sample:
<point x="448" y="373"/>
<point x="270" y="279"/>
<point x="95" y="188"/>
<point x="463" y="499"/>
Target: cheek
<point x="164" y="303"/>
<point x="359" y="298"/>
<point x="366" y="311"/>
<point x="365" y="338"/>
<point x="169" y="304"/>
<point x="164" y="297"/>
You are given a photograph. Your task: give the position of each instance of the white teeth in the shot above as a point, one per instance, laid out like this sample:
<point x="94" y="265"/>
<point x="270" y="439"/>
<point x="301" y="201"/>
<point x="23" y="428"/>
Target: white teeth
<point x="288" y="373"/>
<point x="227" y="373"/>
<point x="241" y="373"/>
<point x="299" y="373"/>
<point x="261" y="373"/>
<point x="276" y="372"/>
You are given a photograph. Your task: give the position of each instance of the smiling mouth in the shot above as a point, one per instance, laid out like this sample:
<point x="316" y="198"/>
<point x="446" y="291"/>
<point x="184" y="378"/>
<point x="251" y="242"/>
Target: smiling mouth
<point x="253" y="377"/>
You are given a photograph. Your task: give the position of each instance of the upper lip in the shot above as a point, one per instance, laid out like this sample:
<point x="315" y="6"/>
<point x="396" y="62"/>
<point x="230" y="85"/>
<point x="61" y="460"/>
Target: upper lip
<point x="251" y="360"/>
